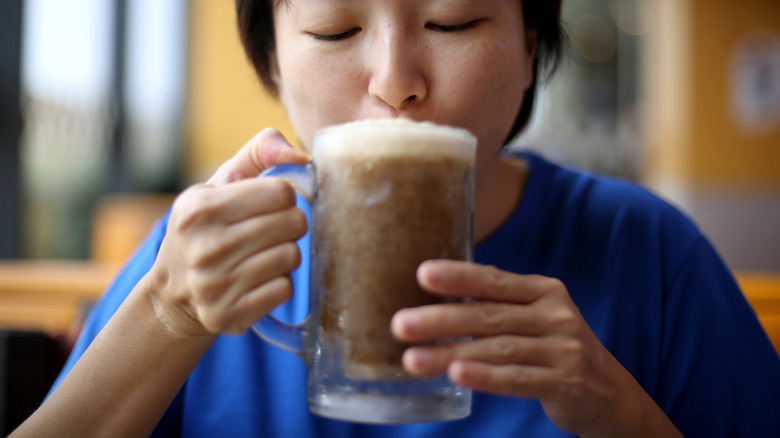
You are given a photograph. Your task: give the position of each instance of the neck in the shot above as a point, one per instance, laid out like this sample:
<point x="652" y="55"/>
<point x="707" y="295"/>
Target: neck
<point x="499" y="188"/>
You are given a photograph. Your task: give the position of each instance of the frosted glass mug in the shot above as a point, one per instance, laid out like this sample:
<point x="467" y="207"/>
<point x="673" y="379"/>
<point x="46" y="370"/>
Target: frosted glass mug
<point x="385" y="196"/>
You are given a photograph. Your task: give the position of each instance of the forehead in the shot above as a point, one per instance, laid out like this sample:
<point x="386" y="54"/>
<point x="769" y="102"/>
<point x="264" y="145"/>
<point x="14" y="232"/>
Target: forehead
<point x="438" y="5"/>
<point x="277" y="3"/>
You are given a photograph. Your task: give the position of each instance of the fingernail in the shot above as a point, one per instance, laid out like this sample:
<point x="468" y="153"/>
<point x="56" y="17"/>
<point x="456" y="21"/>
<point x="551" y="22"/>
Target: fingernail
<point x="429" y="273"/>
<point x="404" y="324"/>
<point x="419" y="358"/>
<point x="409" y="320"/>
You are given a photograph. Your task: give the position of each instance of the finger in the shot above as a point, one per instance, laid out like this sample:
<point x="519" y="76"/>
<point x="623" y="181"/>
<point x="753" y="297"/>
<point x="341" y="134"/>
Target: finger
<point x="266" y="149"/>
<point x="470" y="280"/>
<point x="515" y="380"/>
<point x="233" y="202"/>
<point x="253" y="305"/>
<point x="430" y="360"/>
<point x="240" y="240"/>
<point x="263" y="283"/>
<point x="441" y="321"/>
<point x="262" y="267"/>
<point x="220" y="296"/>
<point x="256" y="196"/>
<point x="268" y="230"/>
<point x="261" y="300"/>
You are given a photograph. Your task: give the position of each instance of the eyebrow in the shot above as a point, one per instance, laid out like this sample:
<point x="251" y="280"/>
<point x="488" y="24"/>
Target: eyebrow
<point x="278" y="2"/>
<point x="289" y="3"/>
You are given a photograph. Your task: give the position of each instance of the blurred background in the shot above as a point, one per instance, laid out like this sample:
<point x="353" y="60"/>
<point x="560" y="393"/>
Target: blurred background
<point x="111" y="107"/>
<point x="132" y="97"/>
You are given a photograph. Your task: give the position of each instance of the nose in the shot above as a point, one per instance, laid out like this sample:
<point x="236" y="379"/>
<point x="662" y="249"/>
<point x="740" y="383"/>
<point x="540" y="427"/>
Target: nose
<point x="397" y="77"/>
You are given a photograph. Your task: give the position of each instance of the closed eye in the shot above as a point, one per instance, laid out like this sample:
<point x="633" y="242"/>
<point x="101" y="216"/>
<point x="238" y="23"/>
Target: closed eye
<point x="334" y="36"/>
<point x="453" y="27"/>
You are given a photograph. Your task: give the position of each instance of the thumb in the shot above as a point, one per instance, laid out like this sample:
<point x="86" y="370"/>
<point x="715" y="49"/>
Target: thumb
<point x="264" y="150"/>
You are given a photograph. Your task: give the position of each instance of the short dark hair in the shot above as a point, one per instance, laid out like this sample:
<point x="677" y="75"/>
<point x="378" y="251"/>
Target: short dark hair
<point x="542" y="21"/>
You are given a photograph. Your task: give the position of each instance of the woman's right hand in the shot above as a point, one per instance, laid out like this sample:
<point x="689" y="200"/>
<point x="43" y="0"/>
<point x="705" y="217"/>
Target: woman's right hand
<point x="230" y="244"/>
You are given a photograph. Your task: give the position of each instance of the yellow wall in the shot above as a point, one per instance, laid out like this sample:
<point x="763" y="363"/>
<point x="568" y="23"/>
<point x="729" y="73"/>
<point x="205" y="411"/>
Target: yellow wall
<point x="694" y="139"/>
<point x="226" y="102"/>
<point x="699" y="155"/>
<point x="722" y="151"/>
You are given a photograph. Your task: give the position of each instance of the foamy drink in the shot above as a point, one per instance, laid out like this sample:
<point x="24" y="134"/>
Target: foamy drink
<point x="387" y="195"/>
<point x="386" y="203"/>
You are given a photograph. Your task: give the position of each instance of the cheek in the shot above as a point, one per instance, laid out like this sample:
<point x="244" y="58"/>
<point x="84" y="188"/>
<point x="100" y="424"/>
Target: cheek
<point x="502" y="72"/>
<point x="315" y="92"/>
<point x="491" y="95"/>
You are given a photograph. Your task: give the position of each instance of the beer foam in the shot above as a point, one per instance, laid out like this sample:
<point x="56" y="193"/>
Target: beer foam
<point x="374" y="138"/>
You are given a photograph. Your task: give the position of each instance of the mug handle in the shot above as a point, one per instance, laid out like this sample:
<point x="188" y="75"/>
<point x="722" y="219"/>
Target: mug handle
<point x="272" y="330"/>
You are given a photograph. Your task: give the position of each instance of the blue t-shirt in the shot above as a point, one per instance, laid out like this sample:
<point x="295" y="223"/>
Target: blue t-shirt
<point x="647" y="282"/>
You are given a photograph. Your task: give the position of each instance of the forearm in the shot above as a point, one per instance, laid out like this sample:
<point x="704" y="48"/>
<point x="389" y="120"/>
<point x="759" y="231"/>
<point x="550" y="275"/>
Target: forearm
<point x="126" y="379"/>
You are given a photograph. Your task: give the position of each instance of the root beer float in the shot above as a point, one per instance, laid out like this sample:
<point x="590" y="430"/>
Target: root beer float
<point x="386" y="203"/>
<point x="388" y="195"/>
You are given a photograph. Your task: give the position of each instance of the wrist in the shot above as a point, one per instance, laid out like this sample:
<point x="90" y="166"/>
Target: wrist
<point x="634" y="414"/>
<point x="175" y="314"/>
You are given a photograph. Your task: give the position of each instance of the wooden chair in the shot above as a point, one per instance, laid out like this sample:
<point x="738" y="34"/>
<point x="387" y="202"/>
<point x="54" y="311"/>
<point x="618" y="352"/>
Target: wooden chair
<point x="49" y="295"/>
<point x="762" y="290"/>
<point x="121" y="221"/>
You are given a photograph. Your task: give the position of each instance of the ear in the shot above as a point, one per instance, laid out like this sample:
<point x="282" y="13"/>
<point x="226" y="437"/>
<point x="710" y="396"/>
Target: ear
<point x="273" y="68"/>
<point x="276" y="78"/>
<point x="531" y="46"/>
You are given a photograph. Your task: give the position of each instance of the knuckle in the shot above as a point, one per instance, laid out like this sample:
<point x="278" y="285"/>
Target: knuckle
<point x="519" y="377"/>
<point x="561" y="316"/>
<point x="565" y="320"/>
<point x="574" y="357"/>
<point x="212" y="320"/>
<point x="504" y="349"/>
<point x="182" y="210"/>
<point x="192" y="206"/>
<point x="291" y="256"/>
<point x="263" y="145"/>
<point x="222" y="321"/>
<point x="574" y="349"/>
<point x="281" y="259"/>
<point x="497" y="279"/>
<point x="492" y="319"/>
<point x="571" y="386"/>
<point x="202" y="252"/>
<point x="267" y="135"/>
<point x="290" y="224"/>
<point x="282" y="194"/>
<point x="552" y="286"/>
<point x="205" y="288"/>
<point x="281" y="289"/>
<point x="224" y="326"/>
<point x="298" y="221"/>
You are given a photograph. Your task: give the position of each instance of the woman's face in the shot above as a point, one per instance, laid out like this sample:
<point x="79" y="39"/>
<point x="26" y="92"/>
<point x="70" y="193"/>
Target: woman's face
<point x="464" y="63"/>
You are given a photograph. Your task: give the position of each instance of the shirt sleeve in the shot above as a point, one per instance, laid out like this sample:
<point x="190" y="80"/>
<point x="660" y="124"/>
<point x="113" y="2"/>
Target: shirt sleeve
<point x="720" y="372"/>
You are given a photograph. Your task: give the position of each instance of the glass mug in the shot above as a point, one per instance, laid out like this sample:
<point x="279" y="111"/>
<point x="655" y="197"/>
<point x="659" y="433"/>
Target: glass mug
<point x="385" y="195"/>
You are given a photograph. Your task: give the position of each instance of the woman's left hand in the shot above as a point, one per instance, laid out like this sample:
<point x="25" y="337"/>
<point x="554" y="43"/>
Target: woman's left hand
<point x="530" y="340"/>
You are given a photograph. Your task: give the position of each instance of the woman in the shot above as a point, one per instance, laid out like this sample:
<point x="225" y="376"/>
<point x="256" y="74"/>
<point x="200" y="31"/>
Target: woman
<point x="602" y="311"/>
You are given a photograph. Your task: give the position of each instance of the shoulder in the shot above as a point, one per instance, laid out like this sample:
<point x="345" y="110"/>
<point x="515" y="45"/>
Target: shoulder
<point x="598" y="217"/>
<point x="599" y="200"/>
